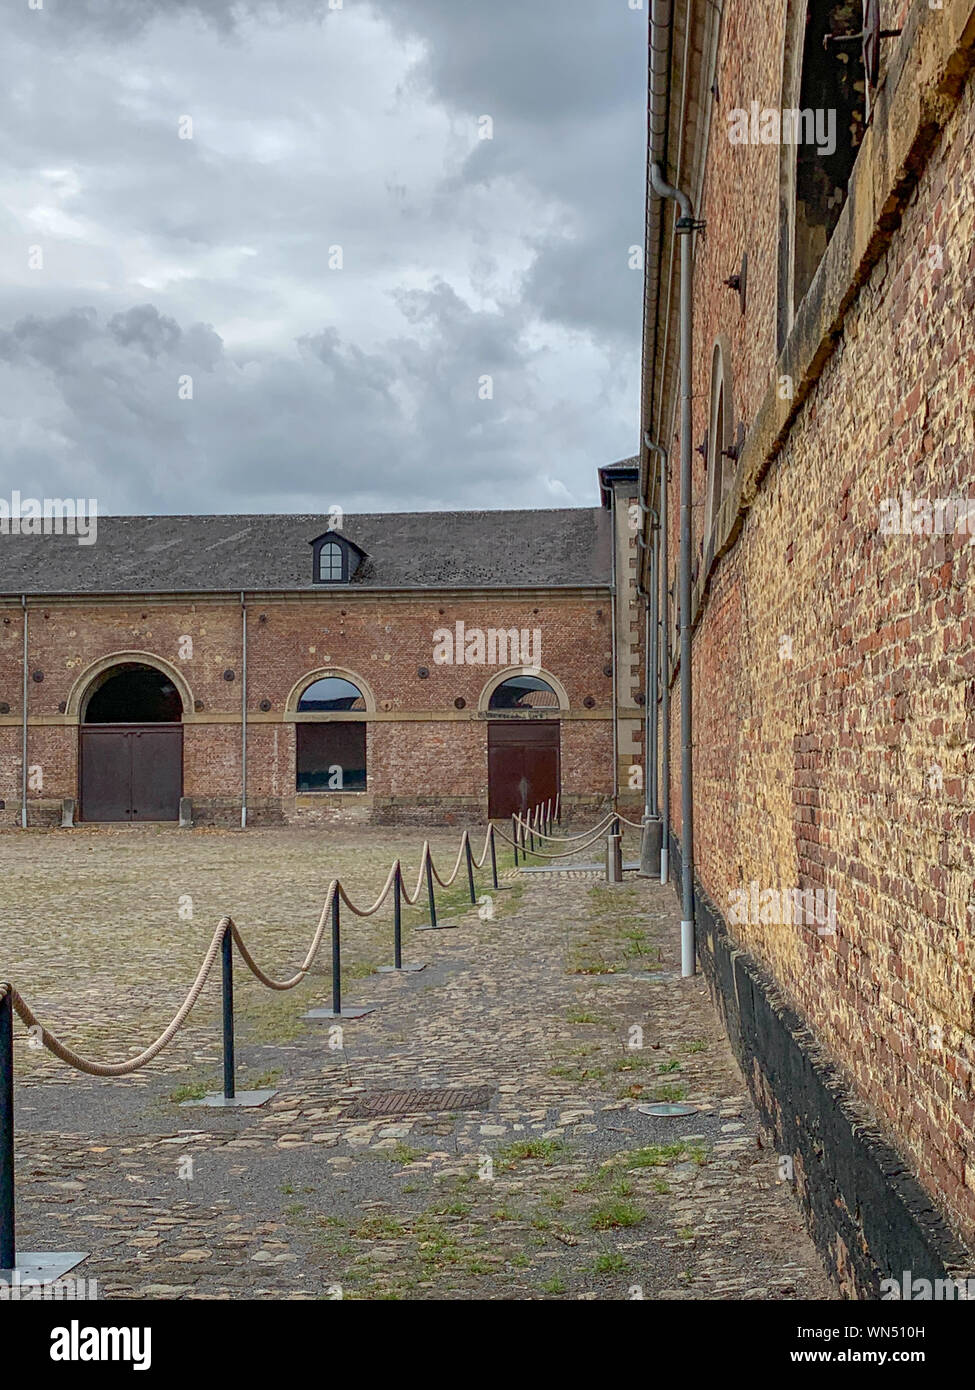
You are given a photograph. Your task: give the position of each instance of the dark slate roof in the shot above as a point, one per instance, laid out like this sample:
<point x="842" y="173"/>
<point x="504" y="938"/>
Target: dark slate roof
<point x="407" y="550"/>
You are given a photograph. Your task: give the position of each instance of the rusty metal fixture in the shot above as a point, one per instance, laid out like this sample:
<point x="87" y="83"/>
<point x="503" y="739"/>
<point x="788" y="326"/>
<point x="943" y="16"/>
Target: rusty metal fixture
<point x="739" y="282"/>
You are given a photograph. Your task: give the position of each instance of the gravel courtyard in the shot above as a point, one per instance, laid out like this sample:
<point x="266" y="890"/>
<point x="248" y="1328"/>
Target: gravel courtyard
<point x="558" y="994"/>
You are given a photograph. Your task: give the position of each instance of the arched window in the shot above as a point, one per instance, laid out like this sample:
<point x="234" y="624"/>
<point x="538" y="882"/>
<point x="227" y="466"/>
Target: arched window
<point x="330" y="752"/>
<point x="329" y="694"/>
<point x="524" y="692"/>
<point x="330" y="564"/>
<point x="133" y="694"/>
<point x="334" y="558"/>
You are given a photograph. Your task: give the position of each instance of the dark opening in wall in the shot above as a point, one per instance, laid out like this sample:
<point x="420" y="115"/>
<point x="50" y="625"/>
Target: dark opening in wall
<point x="832" y="105"/>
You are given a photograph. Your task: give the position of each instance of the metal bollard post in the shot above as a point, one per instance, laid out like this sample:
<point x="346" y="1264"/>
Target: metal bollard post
<point x="531" y="834"/>
<point x="397" y="919"/>
<point x="514" y="836"/>
<point x="227" y="959"/>
<point x="336" y="959"/>
<point x="494" y="858"/>
<point x="8" y="1243"/>
<point x="432" y="900"/>
<point x="614" y="859"/>
<point x="470" y="869"/>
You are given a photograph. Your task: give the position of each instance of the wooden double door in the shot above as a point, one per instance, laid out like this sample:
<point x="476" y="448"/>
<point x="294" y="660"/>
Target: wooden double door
<point x="523" y="765"/>
<point x="130" y="772"/>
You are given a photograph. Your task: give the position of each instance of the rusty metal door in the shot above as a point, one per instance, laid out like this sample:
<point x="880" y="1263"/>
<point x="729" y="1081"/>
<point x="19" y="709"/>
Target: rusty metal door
<point x="131" y="772"/>
<point x="523" y="765"/>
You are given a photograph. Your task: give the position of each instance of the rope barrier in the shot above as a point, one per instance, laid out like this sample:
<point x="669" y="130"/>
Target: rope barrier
<point x="541" y="854"/>
<point x="446" y="882"/>
<point x="582" y="834"/>
<point x="82" y="1064"/>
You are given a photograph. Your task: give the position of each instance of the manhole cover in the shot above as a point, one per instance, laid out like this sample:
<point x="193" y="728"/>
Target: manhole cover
<point x="419" y="1102"/>
<point x="667" y="1109"/>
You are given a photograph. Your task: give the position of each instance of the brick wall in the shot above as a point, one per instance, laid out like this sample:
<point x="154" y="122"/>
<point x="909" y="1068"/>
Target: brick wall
<point x="834" y="666"/>
<point x="424" y="752"/>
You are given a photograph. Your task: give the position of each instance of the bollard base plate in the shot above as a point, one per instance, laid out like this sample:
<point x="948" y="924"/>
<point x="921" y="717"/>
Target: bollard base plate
<point x="404" y="969"/>
<point x="42" y="1267"/>
<point x="243" y="1100"/>
<point x="347" y="1011"/>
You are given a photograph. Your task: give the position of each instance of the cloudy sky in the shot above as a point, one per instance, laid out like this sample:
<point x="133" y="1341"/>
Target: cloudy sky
<point x="260" y="256"/>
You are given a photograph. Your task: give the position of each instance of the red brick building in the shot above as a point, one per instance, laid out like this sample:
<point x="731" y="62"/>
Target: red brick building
<point x="831" y="435"/>
<point x="256" y="669"/>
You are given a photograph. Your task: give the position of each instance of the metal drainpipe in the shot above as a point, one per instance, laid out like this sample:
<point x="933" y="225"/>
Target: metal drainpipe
<point x="243" y="715"/>
<point x="616" y="756"/>
<point x="653" y="685"/>
<point x="23" y="742"/>
<point x="685" y="230"/>
<point x="665" y="672"/>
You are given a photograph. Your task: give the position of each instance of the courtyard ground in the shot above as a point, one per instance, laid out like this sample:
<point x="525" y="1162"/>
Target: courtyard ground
<point x="560" y="995"/>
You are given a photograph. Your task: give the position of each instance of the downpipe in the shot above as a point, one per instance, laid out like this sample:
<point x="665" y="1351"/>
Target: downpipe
<point x="685" y="230"/>
<point x="663" y="610"/>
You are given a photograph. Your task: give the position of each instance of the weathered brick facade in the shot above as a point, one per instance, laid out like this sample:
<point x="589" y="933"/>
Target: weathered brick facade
<point x="834" y="668"/>
<point x="426" y="722"/>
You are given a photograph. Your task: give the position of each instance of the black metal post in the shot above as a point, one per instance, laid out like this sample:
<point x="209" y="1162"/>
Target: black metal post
<point x="494" y="858"/>
<point x="514" y="836"/>
<point x="470" y="870"/>
<point x="531" y="834"/>
<point x="397" y="921"/>
<point x="227" y="958"/>
<point x="8" y="1242"/>
<point x="432" y="900"/>
<point x="336" y="959"/>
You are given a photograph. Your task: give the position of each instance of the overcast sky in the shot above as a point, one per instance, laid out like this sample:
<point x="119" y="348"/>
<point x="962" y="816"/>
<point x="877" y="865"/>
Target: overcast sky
<point x="173" y="337"/>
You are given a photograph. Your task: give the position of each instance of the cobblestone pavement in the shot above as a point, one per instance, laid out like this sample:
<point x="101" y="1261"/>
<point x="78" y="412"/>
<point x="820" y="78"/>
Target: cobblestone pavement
<point x="560" y="995"/>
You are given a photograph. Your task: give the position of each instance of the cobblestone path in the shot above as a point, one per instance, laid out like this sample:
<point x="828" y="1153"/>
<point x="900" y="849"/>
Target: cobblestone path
<point x="560" y="995"/>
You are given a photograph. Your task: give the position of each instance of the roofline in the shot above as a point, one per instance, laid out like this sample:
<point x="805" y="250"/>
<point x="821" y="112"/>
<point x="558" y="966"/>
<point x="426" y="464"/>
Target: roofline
<point x="318" y="591"/>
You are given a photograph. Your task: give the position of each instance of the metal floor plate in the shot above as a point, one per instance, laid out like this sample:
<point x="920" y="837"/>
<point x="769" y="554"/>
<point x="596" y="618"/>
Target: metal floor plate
<point x="420" y="1102"/>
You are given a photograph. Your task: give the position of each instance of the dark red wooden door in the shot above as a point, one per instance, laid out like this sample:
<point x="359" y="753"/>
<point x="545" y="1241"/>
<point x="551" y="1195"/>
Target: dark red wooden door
<point x="523" y="765"/>
<point x="131" y="771"/>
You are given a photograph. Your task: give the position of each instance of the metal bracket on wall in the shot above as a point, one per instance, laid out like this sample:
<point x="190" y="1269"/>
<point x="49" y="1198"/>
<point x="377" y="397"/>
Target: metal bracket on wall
<point x="739" y="282"/>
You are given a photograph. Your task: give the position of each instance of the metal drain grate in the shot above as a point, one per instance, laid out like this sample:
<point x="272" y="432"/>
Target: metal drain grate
<point x="419" y="1102"/>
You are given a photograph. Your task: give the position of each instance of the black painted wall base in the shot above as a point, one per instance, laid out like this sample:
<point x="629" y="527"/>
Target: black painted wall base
<point x="870" y="1218"/>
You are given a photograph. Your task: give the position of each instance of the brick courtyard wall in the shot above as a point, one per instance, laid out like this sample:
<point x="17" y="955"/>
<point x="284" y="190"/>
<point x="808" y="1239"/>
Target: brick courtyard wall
<point x="427" y="754"/>
<point x="834" y="666"/>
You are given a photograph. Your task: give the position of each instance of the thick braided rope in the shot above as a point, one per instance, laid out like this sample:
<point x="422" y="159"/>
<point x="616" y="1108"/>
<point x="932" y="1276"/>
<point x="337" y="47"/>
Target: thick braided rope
<point x="479" y="863"/>
<point x="541" y="854"/>
<point x="540" y="834"/>
<point x="446" y="882"/>
<point x="368" y="911"/>
<point x="83" y="1064"/>
<point x="419" y="882"/>
<point x="305" y="965"/>
<point x="636" y="824"/>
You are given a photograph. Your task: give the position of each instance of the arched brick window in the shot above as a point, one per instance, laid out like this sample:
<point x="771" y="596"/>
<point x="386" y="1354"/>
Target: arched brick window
<point x="330" y="748"/>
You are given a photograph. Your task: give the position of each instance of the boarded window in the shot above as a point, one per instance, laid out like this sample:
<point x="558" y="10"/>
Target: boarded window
<point x="331" y="757"/>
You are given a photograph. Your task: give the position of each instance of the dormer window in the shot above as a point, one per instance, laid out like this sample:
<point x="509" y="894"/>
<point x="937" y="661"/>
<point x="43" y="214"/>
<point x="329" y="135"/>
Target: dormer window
<point x="334" y="559"/>
<point x="331" y="564"/>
